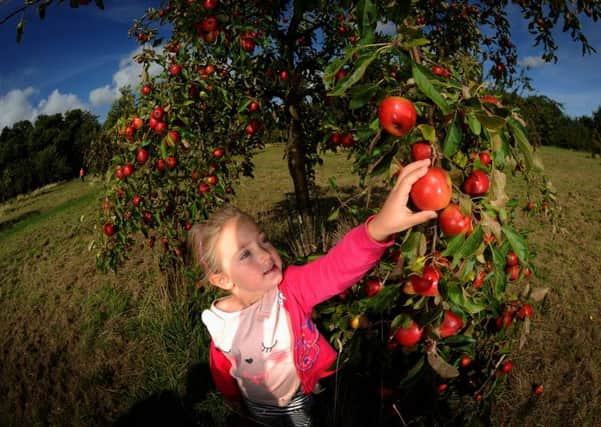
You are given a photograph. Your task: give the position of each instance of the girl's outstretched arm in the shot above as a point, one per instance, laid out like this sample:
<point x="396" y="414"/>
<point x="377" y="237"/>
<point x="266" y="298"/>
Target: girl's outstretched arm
<point x="361" y="248"/>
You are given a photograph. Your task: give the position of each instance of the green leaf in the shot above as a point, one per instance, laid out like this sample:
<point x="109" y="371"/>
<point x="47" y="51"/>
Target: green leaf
<point x="454" y="245"/>
<point x="490" y="122"/>
<point x="413" y="372"/>
<point x="163" y="149"/>
<point x="517" y="242"/>
<point x="428" y="132"/>
<point x="366" y="18"/>
<point x="452" y="139"/>
<point x="334" y="215"/>
<point x="361" y="95"/>
<point x="459" y="339"/>
<point x="329" y="77"/>
<point x="524" y="146"/>
<point x="360" y="67"/>
<point x="415" y="43"/>
<point x="470" y="246"/>
<point x="499" y="277"/>
<point x="383" y="163"/>
<point x="457" y="297"/>
<point x="410" y="247"/>
<point x="244" y="105"/>
<point x="20" y="28"/>
<point x="427" y="89"/>
<point x="474" y="123"/>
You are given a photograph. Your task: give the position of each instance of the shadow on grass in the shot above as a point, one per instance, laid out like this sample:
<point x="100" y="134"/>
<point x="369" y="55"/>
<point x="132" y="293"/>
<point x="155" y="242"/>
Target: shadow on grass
<point x="5" y="225"/>
<point x="169" y="408"/>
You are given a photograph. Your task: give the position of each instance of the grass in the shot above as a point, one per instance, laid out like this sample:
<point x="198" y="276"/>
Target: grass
<point x="84" y="348"/>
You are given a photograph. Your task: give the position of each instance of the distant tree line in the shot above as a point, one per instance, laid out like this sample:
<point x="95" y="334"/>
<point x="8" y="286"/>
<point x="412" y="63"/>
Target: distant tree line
<point x="549" y="125"/>
<point x="55" y="147"/>
<point x="50" y="150"/>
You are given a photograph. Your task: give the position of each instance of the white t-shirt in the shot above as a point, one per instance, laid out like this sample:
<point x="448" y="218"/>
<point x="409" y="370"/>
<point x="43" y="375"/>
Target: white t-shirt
<point x="257" y="342"/>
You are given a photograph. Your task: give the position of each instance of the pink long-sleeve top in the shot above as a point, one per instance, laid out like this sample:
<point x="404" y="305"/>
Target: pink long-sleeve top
<point x="265" y="351"/>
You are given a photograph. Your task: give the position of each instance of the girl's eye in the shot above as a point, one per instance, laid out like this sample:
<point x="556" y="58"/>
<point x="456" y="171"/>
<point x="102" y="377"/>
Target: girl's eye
<point x="245" y="253"/>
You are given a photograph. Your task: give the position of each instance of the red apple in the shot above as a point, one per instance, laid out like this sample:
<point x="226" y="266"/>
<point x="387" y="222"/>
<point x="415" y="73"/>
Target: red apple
<point x="142" y="156"/>
<point x="397" y="115"/>
<point x="161" y="165"/>
<point x="453" y="222"/>
<point x="137" y="200"/>
<point x="128" y="169"/>
<point x="108" y="229"/>
<point x="441" y="72"/>
<point x="347" y="139"/>
<point x="513" y="272"/>
<point x="408" y="337"/>
<point x="335" y="138"/>
<point x="340" y="74"/>
<point x="157" y="113"/>
<point x="451" y="324"/>
<point x="479" y="280"/>
<point x="373" y="287"/>
<point x="253" y="106"/>
<point x="507" y="367"/>
<point x="146" y="89"/>
<point x="129" y="132"/>
<point x="208" y="24"/>
<point x="160" y="128"/>
<point x="511" y="259"/>
<point x="218" y="152"/>
<point x="525" y="311"/>
<point x="175" y="70"/>
<point x="172" y="138"/>
<point x="210" y="4"/>
<point x="137" y="123"/>
<point x="171" y="162"/>
<point x="284" y="75"/>
<point x="203" y="187"/>
<point x="247" y="43"/>
<point x="427" y="283"/>
<point x="485" y="158"/>
<point x="421" y="150"/>
<point x="476" y="184"/>
<point x="433" y="190"/>
<point x="212" y="180"/>
<point x="465" y="361"/>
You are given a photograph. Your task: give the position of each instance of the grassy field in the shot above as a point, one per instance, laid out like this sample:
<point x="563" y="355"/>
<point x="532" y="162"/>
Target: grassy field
<point x="84" y="348"/>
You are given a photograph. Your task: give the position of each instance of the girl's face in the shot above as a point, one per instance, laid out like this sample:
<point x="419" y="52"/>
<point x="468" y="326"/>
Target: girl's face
<point x="250" y="264"/>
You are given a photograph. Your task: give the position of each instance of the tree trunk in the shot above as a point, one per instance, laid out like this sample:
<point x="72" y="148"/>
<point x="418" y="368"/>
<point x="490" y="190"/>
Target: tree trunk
<point x="296" y="166"/>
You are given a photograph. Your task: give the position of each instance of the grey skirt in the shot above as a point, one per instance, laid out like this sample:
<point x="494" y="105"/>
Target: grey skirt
<point x="298" y="412"/>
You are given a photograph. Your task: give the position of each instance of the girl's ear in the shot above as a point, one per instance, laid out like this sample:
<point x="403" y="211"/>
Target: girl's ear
<point x="221" y="281"/>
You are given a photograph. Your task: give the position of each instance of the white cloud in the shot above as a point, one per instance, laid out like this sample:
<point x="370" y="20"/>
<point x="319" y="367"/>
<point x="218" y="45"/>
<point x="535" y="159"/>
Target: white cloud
<point x="103" y="95"/>
<point x="16" y="105"/>
<point x="128" y="74"/>
<point x="533" y="62"/>
<point x="59" y="103"/>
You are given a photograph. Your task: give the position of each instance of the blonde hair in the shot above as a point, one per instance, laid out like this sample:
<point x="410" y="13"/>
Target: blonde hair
<point x="203" y="238"/>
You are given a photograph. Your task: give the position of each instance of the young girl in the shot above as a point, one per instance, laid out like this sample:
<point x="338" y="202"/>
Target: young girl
<point x="265" y="350"/>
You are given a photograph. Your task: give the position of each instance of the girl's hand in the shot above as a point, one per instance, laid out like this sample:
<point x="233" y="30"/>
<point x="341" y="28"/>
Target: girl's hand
<point x="395" y="216"/>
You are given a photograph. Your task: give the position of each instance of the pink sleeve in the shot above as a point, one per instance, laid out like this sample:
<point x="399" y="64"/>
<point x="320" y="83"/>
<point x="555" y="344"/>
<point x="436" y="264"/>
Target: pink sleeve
<point x="345" y="264"/>
<point x="220" y="371"/>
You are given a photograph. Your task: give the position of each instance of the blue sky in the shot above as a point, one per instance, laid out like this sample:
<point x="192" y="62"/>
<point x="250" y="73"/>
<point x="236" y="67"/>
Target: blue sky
<point x="78" y="58"/>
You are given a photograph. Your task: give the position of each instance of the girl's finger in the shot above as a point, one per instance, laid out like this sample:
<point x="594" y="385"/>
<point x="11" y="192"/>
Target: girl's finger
<point x="412" y="166"/>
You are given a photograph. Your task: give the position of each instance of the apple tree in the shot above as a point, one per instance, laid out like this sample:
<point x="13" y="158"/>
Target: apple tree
<point x="388" y="82"/>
